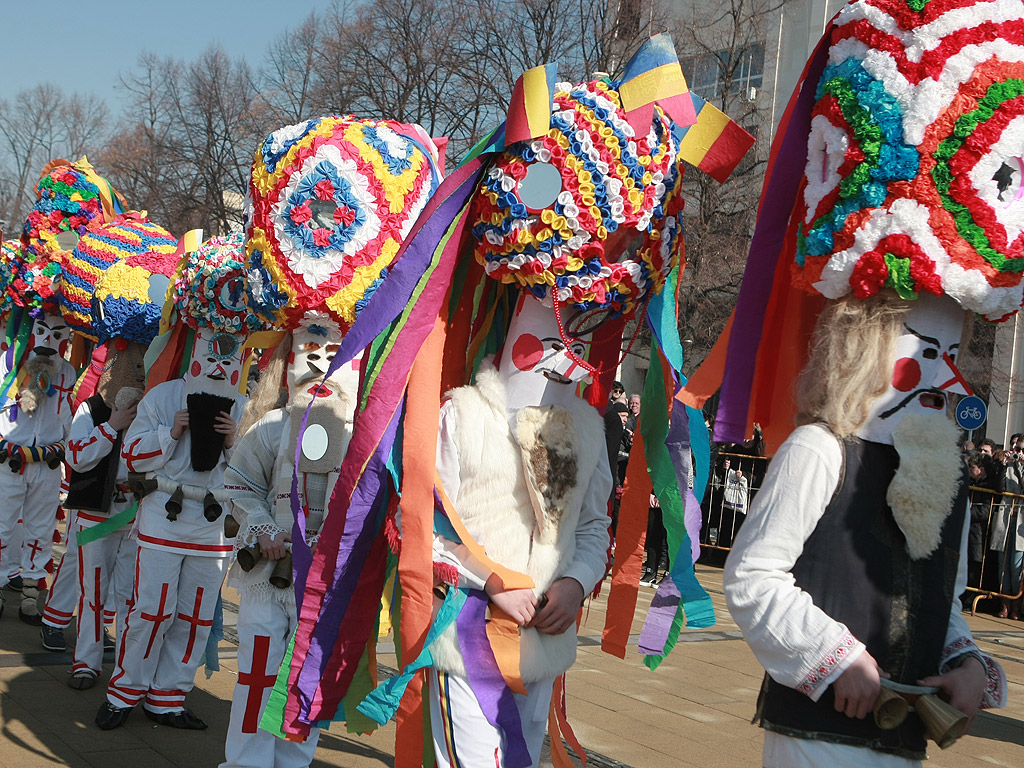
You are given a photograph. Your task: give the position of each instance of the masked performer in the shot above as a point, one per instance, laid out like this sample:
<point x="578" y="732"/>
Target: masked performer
<point x="181" y="439"/>
<point x="34" y="426"/>
<point x="361" y="184"/>
<point x="102" y="245"/>
<point x="847" y="573"/>
<point x="71" y="196"/>
<point x="125" y="321"/>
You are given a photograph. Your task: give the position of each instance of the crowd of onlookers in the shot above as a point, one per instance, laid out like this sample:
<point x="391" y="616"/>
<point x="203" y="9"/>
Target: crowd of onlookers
<point x="996" y="541"/>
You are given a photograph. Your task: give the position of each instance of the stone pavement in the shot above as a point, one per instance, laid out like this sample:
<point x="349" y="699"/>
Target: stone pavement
<point x="693" y="711"/>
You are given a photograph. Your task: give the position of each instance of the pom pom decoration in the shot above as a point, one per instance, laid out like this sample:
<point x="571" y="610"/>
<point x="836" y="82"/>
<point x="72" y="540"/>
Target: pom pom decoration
<point x="915" y="176"/>
<point x="70" y="197"/>
<point x="208" y="287"/>
<point x="10" y="253"/>
<point x="103" y="246"/>
<point x="330" y="201"/>
<point x="129" y="296"/>
<point x="556" y="212"/>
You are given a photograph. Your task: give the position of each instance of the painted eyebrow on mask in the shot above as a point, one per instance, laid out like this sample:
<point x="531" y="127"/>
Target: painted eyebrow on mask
<point x="922" y="337"/>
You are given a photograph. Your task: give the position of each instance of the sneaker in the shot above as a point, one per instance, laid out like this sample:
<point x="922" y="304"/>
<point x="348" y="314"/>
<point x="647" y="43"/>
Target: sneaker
<point x="657" y="579"/>
<point x="108" y="642"/>
<point x="53" y="638"/>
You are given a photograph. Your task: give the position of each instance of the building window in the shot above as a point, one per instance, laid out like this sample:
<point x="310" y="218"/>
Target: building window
<point x="711" y="75"/>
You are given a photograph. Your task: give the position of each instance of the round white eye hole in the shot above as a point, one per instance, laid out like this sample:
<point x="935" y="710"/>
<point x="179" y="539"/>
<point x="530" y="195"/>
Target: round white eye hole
<point x="314" y="442"/>
<point x="540" y="186"/>
<point x="67" y="241"/>
<point x="158" y="288"/>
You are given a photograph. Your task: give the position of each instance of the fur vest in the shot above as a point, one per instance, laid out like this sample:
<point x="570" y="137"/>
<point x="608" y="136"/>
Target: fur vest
<point x="520" y="494"/>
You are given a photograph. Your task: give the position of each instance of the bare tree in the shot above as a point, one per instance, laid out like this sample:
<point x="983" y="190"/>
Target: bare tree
<point x="186" y="147"/>
<point x="40" y="124"/>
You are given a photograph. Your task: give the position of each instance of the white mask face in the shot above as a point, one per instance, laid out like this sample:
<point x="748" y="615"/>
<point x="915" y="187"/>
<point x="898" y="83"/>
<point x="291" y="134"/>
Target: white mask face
<point x="534" y="364"/>
<point x="216" y="365"/>
<point x="50" y="335"/>
<point x="314" y="344"/>
<point x="925" y="371"/>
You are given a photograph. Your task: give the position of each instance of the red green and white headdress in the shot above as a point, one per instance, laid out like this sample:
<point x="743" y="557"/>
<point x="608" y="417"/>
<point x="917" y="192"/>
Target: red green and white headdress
<point x="914" y="176"/>
<point x="330" y="202"/>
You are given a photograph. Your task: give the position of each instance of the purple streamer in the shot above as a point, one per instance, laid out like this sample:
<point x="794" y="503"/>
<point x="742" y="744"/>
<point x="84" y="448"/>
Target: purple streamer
<point x="678" y="443"/>
<point x="766" y="249"/>
<point x="496" y="699"/>
<point x="658" y="623"/>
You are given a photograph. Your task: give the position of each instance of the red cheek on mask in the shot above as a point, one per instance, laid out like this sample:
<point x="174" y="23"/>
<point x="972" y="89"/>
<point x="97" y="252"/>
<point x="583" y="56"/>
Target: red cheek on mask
<point x="906" y="375"/>
<point x="196" y="369"/>
<point x="234" y="377"/>
<point x="527" y="352"/>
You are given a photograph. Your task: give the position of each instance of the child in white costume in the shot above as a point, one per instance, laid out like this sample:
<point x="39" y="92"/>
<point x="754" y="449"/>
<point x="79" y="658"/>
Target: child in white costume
<point x="182" y="547"/>
<point x="360" y="184"/>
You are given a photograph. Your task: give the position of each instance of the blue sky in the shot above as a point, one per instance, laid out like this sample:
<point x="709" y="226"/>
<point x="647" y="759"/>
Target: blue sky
<point x="103" y="38"/>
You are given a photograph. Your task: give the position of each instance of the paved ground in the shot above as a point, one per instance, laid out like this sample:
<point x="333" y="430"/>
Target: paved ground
<point x="693" y="711"/>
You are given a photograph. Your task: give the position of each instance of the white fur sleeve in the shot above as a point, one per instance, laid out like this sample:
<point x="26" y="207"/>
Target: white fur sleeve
<point x="472" y="573"/>
<point x="795" y="641"/>
<point x="958" y="635"/>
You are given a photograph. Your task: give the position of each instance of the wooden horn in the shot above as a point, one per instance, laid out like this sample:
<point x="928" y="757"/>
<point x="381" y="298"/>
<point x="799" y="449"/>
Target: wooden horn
<point x="890" y="709"/>
<point x="945" y="723"/>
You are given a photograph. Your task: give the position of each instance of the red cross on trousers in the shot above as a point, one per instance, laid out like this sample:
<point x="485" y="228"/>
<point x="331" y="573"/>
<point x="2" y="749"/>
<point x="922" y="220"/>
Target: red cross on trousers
<point x="36" y="548"/>
<point x="195" y="623"/>
<point x="159" y="618"/>
<point x="258" y="681"/>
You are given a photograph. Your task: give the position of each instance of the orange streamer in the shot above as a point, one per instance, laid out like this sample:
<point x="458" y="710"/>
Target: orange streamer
<point x="415" y="570"/>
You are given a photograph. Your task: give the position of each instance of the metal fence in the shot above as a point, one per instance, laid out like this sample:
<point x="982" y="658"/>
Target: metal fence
<point x="993" y="568"/>
<point x="735" y="480"/>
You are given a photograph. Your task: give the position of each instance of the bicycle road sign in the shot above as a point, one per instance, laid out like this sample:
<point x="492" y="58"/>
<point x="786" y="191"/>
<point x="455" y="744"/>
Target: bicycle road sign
<point x="971" y="412"/>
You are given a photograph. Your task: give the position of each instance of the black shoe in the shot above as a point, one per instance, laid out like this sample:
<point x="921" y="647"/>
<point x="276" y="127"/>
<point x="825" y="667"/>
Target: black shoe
<point x="110" y="717"/>
<point x="30" y="618"/>
<point x="53" y="638"/>
<point x="16" y="583"/>
<point x="183" y="719"/>
<point x="657" y="579"/>
<point x="108" y="643"/>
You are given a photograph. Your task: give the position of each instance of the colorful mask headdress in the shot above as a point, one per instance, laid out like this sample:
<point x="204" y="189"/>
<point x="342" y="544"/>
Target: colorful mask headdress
<point x="10" y="253"/>
<point x="129" y="297"/>
<point x="130" y="240"/>
<point x="71" y="196"/>
<point x="454" y="315"/>
<point x="900" y="169"/>
<point x="330" y="203"/>
<point x="207" y="293"/>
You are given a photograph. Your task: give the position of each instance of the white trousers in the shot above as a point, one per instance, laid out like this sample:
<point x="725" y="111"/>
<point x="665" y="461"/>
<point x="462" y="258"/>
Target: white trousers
<point x="166" y="631"/>
<point x="33" y="497"/>
<point x="462" y="736"/>
<point x="106" y="573"/>
<point x="62" y="598"/>
<point x="12" y="547"/>
<point x="787" y="752"/>
<point x="264" y="628"/>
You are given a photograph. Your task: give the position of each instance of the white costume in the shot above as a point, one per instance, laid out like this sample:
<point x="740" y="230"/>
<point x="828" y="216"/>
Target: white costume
<point x="105" y="567"/>
<point x="180" y="564"/>
<point x="550" y="525"/>
<point x="34" y="495"/>
<point x="258" y="479"/>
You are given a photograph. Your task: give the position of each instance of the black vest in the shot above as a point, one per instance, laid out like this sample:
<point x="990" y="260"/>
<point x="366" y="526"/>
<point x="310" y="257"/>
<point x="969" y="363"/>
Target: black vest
<point x="856" y="568"/>
<point x="93" y="489"/>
